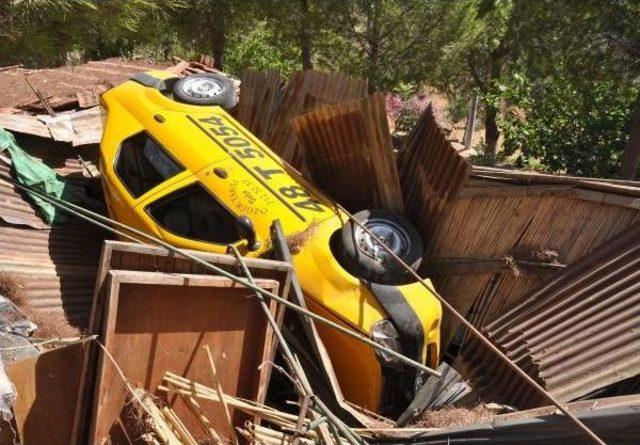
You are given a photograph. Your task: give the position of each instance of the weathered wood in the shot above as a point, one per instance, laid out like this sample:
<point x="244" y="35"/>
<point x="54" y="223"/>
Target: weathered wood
<point x="47" y="387"/>
<point x="143" y="257"/>
<point x="23" y="123"/>
<point x="481" y="266"/>
<point x="167" y="319"/>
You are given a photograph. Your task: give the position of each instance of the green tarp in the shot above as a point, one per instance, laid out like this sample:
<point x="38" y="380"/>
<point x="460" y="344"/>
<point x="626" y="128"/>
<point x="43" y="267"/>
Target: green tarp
<point x="33" y="173"/>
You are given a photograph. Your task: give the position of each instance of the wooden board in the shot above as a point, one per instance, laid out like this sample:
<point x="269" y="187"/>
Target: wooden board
<point x="47" y="387"/>
<point x="157" y="322"/>
<point x="143" y="257"/>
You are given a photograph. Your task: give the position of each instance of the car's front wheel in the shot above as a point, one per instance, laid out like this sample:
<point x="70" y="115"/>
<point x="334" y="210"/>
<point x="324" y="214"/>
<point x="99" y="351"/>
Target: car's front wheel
<point x="363" y="256"/>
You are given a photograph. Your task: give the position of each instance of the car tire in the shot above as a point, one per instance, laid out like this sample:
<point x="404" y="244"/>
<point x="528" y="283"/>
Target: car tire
<point x="205" y="89"/>
<point x="360" y="256"/>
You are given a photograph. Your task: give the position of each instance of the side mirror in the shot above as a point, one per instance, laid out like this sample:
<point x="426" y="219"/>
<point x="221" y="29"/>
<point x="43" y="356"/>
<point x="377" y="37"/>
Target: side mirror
<point x="247" y="231"/>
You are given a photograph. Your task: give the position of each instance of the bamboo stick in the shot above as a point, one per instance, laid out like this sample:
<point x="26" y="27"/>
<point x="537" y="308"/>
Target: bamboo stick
<point x="182" y="431"/>
<point x="218" y="388"/>
<point x="204" y="422"/>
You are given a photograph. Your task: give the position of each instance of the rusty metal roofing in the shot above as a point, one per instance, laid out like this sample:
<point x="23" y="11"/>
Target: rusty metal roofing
<point x="55" y="268"/>
<point x="349" y="153"/>
<point x="431" y="173"/>
<point x="305" y="91"/>
<point x="575" y="333"/>
<point x="260" y="94"/>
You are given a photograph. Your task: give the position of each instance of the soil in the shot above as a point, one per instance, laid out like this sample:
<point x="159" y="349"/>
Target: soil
<point x="50" y="325"/>
<point x="66" y="81"/>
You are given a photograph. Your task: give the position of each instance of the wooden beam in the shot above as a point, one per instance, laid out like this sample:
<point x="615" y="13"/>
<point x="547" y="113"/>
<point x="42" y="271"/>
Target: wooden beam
<point x="481" y="266"/>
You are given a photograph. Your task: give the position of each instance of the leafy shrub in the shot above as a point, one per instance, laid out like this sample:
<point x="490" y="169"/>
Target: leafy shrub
<point x="568" y="126"/>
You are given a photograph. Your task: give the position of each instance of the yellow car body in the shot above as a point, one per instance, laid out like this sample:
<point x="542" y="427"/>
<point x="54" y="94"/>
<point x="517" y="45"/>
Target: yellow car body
<point x="246" y="178"/>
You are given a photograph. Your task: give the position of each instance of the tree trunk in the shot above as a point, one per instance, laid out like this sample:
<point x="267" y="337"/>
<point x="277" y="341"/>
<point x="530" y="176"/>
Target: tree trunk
<point x="373" y="34"/>
<point x="632" y="151"/>
<point x="305" y="38"/>
<point x="218" y="33"/>
<point x="491" y="133"/>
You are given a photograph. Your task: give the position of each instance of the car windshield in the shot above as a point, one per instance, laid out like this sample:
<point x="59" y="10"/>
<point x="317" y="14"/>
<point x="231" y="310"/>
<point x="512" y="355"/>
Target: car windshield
<point x="193" y="213"/>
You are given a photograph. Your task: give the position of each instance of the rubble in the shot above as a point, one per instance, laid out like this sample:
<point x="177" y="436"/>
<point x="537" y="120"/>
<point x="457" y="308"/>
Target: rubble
<point x="174" y="353"/>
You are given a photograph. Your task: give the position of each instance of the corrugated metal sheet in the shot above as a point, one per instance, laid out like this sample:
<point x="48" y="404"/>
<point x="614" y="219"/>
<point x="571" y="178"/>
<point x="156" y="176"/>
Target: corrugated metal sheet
<point x="55" y="267"/>
<point x="349" y="154"/>
<point x="431" y="173"/>
<point x="616" y="420"/>
<point x="260" y="94"/>
<point x="575" y="334"/>
<point x="305" y="91"/>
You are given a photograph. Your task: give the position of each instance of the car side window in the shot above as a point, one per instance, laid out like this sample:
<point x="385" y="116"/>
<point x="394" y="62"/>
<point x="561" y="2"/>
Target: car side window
<point x="193" y="213"/>
<point x="142" y="164"/>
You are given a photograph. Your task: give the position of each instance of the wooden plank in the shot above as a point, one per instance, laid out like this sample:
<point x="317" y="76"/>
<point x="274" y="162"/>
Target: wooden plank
<point x="47" y="387"/>
<point x="481" y="266"/>
<point x="349" y="154"/>
<point x="144" y="257"/>
<point x="22" y="123"/>
<point x="167" y="319"/>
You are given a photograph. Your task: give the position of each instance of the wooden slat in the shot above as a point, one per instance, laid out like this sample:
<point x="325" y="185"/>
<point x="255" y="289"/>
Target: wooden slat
<point x="47" y="387"/>
<point x="142" y="257"/>
<point x="260" y="93"/>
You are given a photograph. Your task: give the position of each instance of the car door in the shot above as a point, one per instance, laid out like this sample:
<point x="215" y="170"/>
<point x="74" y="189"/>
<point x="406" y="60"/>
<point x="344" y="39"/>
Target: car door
<point x="188" y="215"/>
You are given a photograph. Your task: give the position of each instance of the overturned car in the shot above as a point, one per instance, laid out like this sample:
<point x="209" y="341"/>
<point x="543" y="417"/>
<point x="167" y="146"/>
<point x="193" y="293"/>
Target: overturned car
<point x="175" y="164"/>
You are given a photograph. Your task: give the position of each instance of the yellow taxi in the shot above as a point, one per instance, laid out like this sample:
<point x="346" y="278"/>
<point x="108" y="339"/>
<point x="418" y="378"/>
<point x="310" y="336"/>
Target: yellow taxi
<point x="175" y="164"/>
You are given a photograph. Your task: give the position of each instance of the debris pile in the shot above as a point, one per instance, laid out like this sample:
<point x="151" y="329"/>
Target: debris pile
<point x="112" y="341"/>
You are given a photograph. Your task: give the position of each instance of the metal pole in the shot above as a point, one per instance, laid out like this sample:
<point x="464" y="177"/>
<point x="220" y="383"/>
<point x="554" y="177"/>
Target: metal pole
<point x="294" y="366"/>
<point x="91" y="217"/>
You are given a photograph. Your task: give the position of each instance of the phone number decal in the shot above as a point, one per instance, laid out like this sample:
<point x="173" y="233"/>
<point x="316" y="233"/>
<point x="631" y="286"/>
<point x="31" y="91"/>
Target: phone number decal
<point x="256" y="162"/>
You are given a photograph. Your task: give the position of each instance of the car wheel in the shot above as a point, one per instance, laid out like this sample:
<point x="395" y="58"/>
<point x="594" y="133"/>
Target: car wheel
<point x="205" y="89"/>
<point x="365" y="258"/>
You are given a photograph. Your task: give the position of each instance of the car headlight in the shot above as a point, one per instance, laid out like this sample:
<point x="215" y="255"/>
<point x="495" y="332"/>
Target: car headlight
<point x="384" y="333"/>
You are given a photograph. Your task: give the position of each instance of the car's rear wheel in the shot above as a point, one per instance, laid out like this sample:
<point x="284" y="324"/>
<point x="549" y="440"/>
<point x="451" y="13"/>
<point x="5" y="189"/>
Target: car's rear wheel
<point x="364" y="257"/>
<point x="205" y="89"/>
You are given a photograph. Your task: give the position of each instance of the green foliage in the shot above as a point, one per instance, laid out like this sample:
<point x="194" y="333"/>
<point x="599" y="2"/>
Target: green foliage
<point x="259" y="49"/>
<point x="566" y="126"/>
<point x="557" y="76"/>
<point x="45" y="32"/>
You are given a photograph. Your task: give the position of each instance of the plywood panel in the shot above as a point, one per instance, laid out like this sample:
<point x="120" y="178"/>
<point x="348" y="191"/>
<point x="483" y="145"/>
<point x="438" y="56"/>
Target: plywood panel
<point x="156" y="322"/>
<point x="143" y="257"/>
<point x="47" y="387"/>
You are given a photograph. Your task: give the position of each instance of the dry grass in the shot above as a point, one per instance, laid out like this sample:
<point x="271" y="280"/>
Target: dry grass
<point x="50" y="325"/>
<point x="454" y="416"/>
<point x="11" y="288"/>
<point x="295" y="241"/>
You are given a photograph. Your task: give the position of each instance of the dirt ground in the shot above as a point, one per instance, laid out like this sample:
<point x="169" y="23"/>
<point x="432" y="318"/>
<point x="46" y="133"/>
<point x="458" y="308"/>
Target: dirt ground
<point x="66" y="81"/>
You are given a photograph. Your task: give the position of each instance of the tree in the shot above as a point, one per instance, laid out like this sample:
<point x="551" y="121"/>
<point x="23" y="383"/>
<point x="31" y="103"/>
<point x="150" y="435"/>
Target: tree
<point x="389" y="37"/>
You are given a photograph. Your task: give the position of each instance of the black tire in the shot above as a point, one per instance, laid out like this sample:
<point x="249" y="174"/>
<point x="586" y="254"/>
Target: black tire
<point x="380" y="268"/>
<point x="183" y="91"/>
